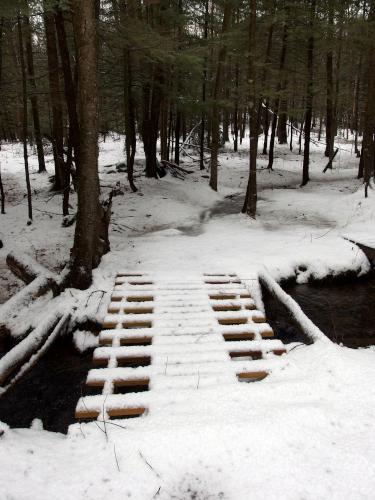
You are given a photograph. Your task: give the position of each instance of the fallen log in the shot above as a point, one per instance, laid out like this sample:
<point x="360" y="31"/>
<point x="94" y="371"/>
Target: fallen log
<point x="25" y="353"/>
<point x="25" y="268"/>
<point x="11" y="309"/>
<point x="39" y="281"/>
<point x="312" y="332"/>
<point x="176" y="170"/>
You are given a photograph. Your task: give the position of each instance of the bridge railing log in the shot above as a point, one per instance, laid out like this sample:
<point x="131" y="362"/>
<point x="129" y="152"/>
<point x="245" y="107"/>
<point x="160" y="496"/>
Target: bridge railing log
<point x="311" y="331"/>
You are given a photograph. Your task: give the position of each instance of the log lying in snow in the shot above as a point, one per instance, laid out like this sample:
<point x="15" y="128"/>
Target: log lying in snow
<point x="26" y="268"/>
<point x="306" y="325"/>
<point x="175" y="170"/>
<point x="28" y="351"/>
<point x="39" y="281"/>
<point x="11" y="309"/>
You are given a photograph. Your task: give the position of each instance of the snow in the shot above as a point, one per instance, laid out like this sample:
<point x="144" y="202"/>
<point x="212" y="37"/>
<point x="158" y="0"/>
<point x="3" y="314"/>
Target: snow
<point x="306" y="431"/>
<point x="84" y="340"/>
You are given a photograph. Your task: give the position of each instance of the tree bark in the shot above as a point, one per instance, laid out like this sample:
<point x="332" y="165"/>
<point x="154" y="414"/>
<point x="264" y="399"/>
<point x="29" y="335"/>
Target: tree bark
<point x="215" y="120"/>
<point x="250" y="204"/>
<point x="62" y="178"/>
<point x="177" y="133"/>
<point x="309" y="94"/>
<point x="235" y="113"/>
<point x="282" y="132"/>
<point x="357" y="86"/>
<point x="130" y="133"/>
<point x="127" y="12"/>
<point x="204" y="85"/>
<point x="266" y="113"/>
<point x="279" y="88"/>
<point x="368" y="146"/>
<point x="33" y="96"/>
<point x="69" y="86"/>
<point x="2" y="194"/>
<point x="86" y="250"/>
<point x="24" y="121"/>
<point x="330" y="132"/>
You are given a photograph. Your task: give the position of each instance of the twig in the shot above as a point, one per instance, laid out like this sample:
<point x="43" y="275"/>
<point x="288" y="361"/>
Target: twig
<point x="114" y="451"/>
<point x="104" y="422"/>
<point x="92" y="293"/>
<point x="157" y="493"/>
<point x="149" y="465"/>
<point x="295" y="347"/>
<point x="166" y="366"/>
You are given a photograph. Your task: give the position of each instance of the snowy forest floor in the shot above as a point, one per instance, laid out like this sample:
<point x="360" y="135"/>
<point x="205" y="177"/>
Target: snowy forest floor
<point x="305" y="432"/>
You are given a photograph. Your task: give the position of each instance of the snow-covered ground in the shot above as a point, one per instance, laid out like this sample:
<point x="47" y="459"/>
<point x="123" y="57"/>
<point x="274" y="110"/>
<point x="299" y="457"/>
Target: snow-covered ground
<point x="305" y="432"/>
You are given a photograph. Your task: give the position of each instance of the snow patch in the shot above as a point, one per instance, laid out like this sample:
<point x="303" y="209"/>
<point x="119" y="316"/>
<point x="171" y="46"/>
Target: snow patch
<point x="84" y="340"/>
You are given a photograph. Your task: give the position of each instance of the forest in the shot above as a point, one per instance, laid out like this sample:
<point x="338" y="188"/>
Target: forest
<point x="186" y="203"/>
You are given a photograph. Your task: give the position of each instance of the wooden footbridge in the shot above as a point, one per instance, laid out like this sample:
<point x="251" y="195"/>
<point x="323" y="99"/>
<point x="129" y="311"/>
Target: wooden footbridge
<point x="163" y="336"/>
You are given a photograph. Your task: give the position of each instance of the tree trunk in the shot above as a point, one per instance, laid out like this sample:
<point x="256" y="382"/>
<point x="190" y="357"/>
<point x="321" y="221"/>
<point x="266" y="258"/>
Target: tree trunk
<point x="152" y="99"/>
<point x="24" y="121"/>
<point x="243" y="126"/>
<point x="368" y="149"/>
<point x="130" y="133"/>
<point x="87" y="246"/>
<point x="62" y="178"/>
<point x="33" y="96"/>
<point x="177" y="133"/>
<point x="1" y="81"/>
<point x="338" y="68"/>
<point x="215" y="121"/>
<point x="282" y="133"/>
<point x="204" y="86"/>
<point x="250" y="204"/>
<point x="300" y="135"/>
<point x="330" y="132"/>
<point x="266" y="113"/>
<point x="2" y="194"/>
<point x="309" y="94"/>
<point x="69" y="86"/>
<point x="235" y="114"/>
<point x="357" y="87"/>
<point x="279" y="88"/>
<point x="164" y="130"/>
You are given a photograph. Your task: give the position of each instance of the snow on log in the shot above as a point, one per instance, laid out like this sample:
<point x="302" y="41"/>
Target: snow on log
<point x="11" y="309"/>
<point x="26" y="268"/>
<point x="307" y="326"/>
<point x="39" y="281"/>
<point x="33" y="346"/>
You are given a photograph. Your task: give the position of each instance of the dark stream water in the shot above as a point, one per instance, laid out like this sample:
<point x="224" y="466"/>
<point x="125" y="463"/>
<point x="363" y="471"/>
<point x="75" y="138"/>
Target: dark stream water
<point x="50" y="390"/>
<point x="345" y="312"/>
